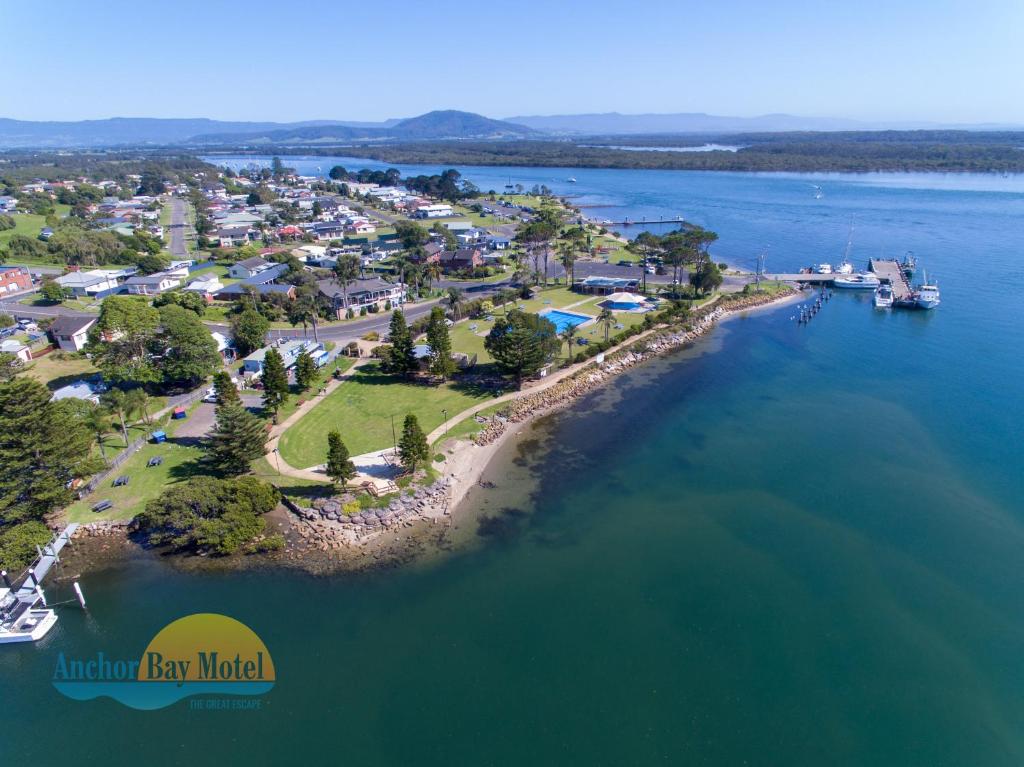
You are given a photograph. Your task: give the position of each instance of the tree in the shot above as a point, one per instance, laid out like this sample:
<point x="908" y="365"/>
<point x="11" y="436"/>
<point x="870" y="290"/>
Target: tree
<point x="305" y="370"/>
<point x="441" y="362"/>
<point x="402" y="360"/>
<point x="521" y="343"/>
<point x="568" y="335"/>
<point x="338" y="173"/>
<point x="137" y="402"/>
<point x="116" y="403"/>
<point x="18" y="543"/>
<point x="607" y="319"/>
<point x="52" y="291"/>
<point x="412" y="447"/>
<point x="346" y="269"/>
<point x="97" y="420"/>
<point x="225" y="390"/>
<point x="238" y="439"/>
<point x="220" y="516"/>
<point x="275" y="381"/>
<point x="9" y="366"/>
<point x="43" y="446"/>
<point x="6" y="320"/>
<point x="186" y="350"/>
<point x="276" y="167"/>
<point x="120" y="341"/>
<point x="339" y="466"/>
<point x="411" y="235"/>
<point x="446" y="234"/>
<point x="706" y="278"/>
<point x="454" y="301"/>
<point x="249" y="330"/>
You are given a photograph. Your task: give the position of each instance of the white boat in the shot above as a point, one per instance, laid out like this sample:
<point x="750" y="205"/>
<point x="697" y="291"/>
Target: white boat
<point x="823" y="269"/>
<point x="24" y="616"/>
<point x="26" y="621"/>
<point x="927" y="296"/>
<point x="845" y="268"/>
<point x="571" y="180"/>
<point x="883" y="297"/>
<point x="861" y="281"/>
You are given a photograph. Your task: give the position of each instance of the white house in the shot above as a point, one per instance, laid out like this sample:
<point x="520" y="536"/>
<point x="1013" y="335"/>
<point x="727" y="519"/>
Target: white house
<point x="437" y="210"/>
<point x="17" y="348"/>
<point x="248" y="267"/>
<point x="206" y="285"/>
<point x="71" y="333"/>
<point x="151" y="284"/>
<point x="87" y="283"/>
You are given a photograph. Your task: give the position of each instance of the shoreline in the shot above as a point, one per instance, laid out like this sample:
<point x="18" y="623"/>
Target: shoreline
<point x="323" y="540"/>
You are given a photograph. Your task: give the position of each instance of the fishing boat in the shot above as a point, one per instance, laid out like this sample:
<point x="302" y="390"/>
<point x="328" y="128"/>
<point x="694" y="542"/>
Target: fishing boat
<point x="927" y="295"/>
<point x="908" y="265"/>
<point x="823" y="269"/>
<point x="860" y="281"/>
<point x="883" y="297"/>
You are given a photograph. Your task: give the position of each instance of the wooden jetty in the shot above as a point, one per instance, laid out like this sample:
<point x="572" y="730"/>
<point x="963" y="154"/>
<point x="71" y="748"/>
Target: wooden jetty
<point x="813" y="279"/>
<point x="892" y="273"/>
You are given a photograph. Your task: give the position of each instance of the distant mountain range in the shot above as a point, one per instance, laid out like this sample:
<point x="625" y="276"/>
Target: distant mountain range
<point x="433" y="126"/>
<point x="136" y="131"/>
<point x="613" y="123"/>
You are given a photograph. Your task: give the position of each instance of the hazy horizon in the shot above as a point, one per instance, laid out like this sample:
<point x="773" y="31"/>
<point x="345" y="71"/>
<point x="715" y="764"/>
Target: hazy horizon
<point x="940" y="62"/>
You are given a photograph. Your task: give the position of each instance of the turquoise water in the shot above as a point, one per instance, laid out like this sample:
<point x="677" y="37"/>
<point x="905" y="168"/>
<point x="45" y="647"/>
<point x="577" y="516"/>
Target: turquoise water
<point x="563" y="320"/>
<point x="788" y="546"/>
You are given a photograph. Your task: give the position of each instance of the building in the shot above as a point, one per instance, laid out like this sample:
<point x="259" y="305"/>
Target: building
<point x="289" y="351"/>
<point x="17" y="348"/>
<point x="363" y="293"/>
<point x="151" y="284"/>
<point x="248" y="267"/>
<point x="88" y="283"/>
<point x="86" y="388"/>
<point x="463" y="258"/>
<point x="71" y="333"/>
<point x="206" y="286"/>
<point x="437" y="210"/>
<point x="499" y="243"/>
<point x="234" y="236"/>
<point x="328" y="230"/>
<point x="225" y="346"/>
<point x="14" y="279"/>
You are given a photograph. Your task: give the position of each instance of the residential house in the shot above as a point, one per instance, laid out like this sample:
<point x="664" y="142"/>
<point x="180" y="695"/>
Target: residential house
<point x="206" y="286"/>
<point x="8" y="204"/>
<point x="248" y="267"/>
<point x="71" y="333"/>
<point x="499" y="243"/>
<point x="225" y="346"/>
<point x="371" y="291"/>
<point x="361" y="227"/>
<point x="263" y="282"/>
<point x="86" y="388"/>
<point x="17" y="348"/>
<point x="289" y="349"/>
<point x="151" y="284"/>
<point x="235" y="236"/>
<point x="88" y="283"/>
<point x="179" y="269"/>
<point x="463" y="258"/>
<point x="14" y="279"/>
<point x="328" y="230"/>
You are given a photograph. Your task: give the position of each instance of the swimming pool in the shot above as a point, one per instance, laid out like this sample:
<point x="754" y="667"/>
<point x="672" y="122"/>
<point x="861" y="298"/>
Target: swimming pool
<point x="563" y="320"/>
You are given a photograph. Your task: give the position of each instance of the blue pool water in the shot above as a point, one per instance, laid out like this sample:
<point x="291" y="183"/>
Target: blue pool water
<point x="564" y="320"/>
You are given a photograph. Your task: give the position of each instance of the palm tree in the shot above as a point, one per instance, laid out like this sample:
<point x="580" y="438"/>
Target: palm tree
<point x="346" y="269"/>
<point x="454" y="301"/>
<point x="97" y="420"/>
<point x="137" y="402"/>
<point x="567" y="255"/>
<point x="606" y="318"/>
<point x="116" y="403"/>
<point x="432" y="272"/>
<point x="568" y="335"/>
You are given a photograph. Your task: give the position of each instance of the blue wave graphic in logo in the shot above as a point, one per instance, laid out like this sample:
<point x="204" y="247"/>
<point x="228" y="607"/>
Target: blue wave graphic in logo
<point x="148" y="696"/>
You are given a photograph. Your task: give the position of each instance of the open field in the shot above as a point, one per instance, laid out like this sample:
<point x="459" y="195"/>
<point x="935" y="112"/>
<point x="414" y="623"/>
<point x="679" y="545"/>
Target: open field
<point x="58" y="369"/>
<point x="362" y="408"/>
<point x="29" y="225"/>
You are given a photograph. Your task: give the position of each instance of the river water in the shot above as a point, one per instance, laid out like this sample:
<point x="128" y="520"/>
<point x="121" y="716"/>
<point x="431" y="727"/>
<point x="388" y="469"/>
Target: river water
<point x="787" y="545"/>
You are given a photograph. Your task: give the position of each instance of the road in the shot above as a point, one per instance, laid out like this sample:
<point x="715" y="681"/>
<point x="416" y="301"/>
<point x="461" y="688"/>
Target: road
<point x="178" y="227"/>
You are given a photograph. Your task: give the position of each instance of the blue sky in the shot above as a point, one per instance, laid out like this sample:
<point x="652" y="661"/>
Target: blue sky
<point x="944" y="60"/>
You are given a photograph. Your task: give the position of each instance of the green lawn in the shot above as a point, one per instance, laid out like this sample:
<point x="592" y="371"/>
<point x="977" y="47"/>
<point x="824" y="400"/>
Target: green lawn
<point x="468" y="427"/>
<point x="59" y="369"/>
<point x="180" y="463"/>
<point x="29" y="225"/>
<point x="325" y="373"/>
<point x="361" y="409"/>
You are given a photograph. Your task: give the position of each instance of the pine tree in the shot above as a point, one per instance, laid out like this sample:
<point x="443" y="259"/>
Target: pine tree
<point x="225" y="389"/>
<point x="412" y="447"/>
<point x="275" y="381"/>
<point x="305" y="370"/>
<point x="238" y="438"/>
<point x="403" y="361"/>
<point x="339" y="466"/>
<point x="441" y="362"/>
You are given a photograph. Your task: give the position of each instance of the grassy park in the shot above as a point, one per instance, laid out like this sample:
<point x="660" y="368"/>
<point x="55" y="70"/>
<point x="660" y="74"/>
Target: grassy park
<point x="362" y="408"/>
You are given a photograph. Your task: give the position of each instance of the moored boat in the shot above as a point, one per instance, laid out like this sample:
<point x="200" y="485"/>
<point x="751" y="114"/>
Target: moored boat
<point x="823" y="269"/>
<point x="883" y="297"/>
<point x="927" y="296"/>
<point x="861" y="281"/>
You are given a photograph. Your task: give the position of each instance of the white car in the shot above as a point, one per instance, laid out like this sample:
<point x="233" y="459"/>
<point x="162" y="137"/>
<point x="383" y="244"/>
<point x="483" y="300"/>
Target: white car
<point x="211" y="395"/>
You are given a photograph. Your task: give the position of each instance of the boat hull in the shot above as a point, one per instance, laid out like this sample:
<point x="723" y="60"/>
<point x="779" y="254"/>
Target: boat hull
<point x="844" y="285"/>
<point x="43" y="621"/>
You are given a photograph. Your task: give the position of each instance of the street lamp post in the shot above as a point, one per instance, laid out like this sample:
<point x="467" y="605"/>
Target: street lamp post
<point x="444" y="412"/>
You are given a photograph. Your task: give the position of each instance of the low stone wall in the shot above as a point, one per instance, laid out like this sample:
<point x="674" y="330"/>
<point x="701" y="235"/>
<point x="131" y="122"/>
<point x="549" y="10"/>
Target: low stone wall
<point x="120" y="527"/>
<point x="634" y="353"/>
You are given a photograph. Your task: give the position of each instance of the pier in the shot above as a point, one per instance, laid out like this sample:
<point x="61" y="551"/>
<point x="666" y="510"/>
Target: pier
<point x="892" y="273"/>
<point x="48" y="557"/>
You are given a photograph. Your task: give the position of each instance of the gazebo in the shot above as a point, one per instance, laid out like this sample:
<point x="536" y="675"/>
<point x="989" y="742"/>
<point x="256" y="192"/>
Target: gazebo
<point x="623" y="302"/>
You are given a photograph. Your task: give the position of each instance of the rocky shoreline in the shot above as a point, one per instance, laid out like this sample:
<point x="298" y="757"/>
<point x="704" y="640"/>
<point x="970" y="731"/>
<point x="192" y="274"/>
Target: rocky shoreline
<point x="645" y="347"/>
